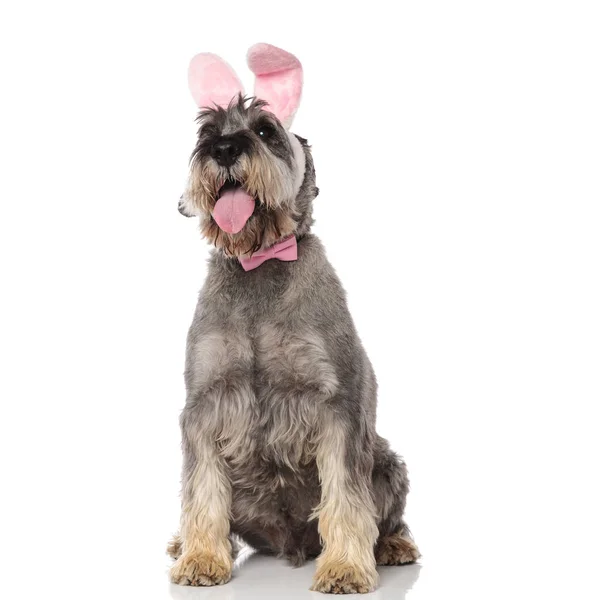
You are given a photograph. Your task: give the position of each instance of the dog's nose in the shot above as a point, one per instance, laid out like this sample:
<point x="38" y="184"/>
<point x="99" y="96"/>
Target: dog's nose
<point x="226" y="152"/>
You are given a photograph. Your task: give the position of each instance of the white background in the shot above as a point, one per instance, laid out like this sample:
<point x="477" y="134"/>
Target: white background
<point x="457" y="147"/>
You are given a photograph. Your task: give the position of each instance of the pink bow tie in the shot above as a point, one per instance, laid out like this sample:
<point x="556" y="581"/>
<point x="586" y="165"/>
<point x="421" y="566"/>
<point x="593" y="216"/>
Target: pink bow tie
<point x="286" y="250"/>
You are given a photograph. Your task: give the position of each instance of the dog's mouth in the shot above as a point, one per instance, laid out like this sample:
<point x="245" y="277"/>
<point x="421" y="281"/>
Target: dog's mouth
<point x="234" y="206"/>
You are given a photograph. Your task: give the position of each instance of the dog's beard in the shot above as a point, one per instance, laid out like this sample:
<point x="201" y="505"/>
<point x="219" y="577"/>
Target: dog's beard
<point x="270" y="182"/>
<point x="263" y="229"/>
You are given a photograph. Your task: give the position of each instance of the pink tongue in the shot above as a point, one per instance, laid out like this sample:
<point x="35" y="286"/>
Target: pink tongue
<point x="233" y="209"/>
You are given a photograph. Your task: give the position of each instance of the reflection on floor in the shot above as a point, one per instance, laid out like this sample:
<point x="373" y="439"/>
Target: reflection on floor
<point x="265" y="577"/>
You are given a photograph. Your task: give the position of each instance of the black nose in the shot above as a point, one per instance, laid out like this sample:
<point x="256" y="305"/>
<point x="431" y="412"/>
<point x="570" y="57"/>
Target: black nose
<point x="226" y="152"/>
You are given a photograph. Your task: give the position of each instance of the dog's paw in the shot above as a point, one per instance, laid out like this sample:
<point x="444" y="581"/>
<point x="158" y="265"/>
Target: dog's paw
<point x="344" y="578"/>
<point x="396" y="550"/>
<point x="174" y="547"/>
<point x="200" y="569"/>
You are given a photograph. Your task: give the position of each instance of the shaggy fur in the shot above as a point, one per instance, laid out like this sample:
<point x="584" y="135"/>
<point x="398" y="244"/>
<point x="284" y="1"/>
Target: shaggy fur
<point x="278" y="428"/>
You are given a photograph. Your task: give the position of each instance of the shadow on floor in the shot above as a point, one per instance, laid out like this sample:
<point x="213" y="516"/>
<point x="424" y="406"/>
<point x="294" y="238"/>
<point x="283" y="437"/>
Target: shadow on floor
<point x="265" y="578"/>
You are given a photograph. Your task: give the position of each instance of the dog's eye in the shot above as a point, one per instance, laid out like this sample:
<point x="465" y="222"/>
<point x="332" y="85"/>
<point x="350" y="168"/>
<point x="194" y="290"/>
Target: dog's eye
<point x="208" y="130"/>
<point x="265" y="131"/>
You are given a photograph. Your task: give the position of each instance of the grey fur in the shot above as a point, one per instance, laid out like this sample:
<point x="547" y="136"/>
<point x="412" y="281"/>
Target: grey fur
<point x="273" y="354"/>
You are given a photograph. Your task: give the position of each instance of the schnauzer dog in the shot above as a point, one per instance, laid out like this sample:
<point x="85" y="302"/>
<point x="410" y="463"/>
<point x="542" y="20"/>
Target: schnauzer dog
<point x="278" y="429"/>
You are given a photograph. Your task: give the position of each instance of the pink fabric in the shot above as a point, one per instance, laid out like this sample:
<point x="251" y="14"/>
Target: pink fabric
<point x="212" y="81"/>
<point x="286" y="250"/>
<point x="278" y="80"/>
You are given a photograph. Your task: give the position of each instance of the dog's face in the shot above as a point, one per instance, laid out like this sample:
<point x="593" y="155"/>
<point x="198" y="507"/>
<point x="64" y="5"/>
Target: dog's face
<point x="251" y="181"/>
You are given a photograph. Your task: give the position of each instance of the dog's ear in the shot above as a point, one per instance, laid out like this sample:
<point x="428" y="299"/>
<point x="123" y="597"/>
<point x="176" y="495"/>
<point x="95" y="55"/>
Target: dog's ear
<point x="186" y="207"/>
<point x="212" y="81"/>
<point x="278" y="80"/>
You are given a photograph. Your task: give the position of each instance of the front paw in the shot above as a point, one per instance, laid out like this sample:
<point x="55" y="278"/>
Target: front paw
<point x="344" y="578"/>
<point x="199" y="569"/>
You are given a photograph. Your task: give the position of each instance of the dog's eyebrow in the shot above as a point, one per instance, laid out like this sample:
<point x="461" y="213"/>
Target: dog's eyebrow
<point x="208" y="128"/>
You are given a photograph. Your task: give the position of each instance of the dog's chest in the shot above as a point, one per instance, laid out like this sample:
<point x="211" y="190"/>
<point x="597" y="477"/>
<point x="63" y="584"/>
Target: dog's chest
<point x="262" y="348"/>
<point x="271" y="381"/>
<point x="293" y="377"/>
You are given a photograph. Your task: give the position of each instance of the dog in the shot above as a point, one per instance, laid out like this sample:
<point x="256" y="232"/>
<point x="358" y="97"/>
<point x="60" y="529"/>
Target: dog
<point x="278" y="429"/>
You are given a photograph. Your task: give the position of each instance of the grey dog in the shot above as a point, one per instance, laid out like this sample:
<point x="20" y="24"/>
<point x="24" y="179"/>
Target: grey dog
<point x="278" y="429"/>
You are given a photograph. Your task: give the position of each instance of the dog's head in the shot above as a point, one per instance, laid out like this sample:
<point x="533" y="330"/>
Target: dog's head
<point x="251" y="181"/>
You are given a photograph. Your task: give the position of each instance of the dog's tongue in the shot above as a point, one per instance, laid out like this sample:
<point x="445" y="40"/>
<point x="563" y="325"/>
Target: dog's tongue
<point x="233" y="209"/>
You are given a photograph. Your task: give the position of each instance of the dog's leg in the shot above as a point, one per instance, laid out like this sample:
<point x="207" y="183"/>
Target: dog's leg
<point x="174" y="547"/>
<point x="204" y="548"/>
<point x="347" y="515"/>
<point x="395" y="545"/>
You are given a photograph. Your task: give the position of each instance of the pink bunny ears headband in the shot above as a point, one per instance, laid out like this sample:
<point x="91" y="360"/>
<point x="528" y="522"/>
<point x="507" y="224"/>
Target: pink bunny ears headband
<point x="278" y="80"/>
